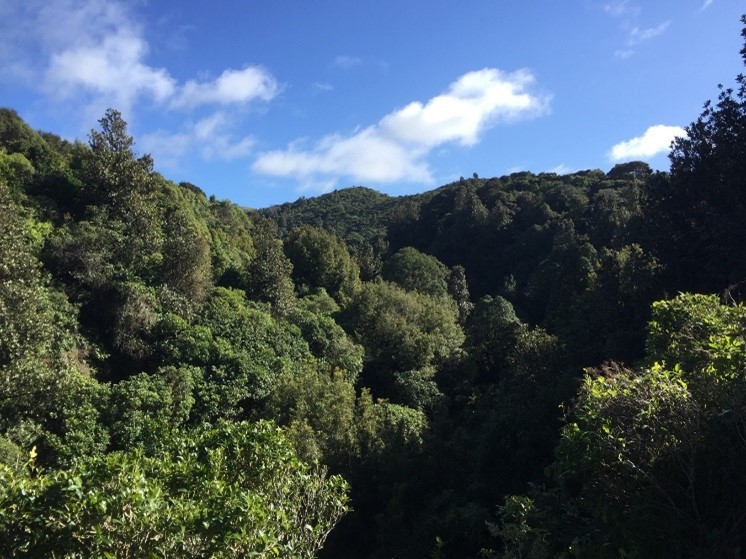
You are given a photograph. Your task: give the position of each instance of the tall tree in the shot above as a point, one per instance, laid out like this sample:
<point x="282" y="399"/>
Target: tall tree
<point x="125" y="184"/>
<point x="416" y="271"/>
<point x="697" y="215"/>
<point x="269" y="277"/>
<point x="320" y="259"/>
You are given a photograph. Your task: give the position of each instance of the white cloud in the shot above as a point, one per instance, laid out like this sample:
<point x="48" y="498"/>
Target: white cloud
<point x="210" y="137"/>
<point x="112" y="68"/>
<point x="60" y="24"/>
<point x="472" y="103"/>
<point x="346" y="62"/>
<point x="363" y="156"/>
<point x="561" y="169"/>
<point x="517" y="169"/>
<point x="322" y="87"/>
<point x="621" y="8"/>
<point x="707" y="4"/>
<point x="231" y="87"/>
<point x="395" y="148"/>
<point x="96" y="51"/>
<point x="656" y="139"/>
<point x="628" y="14"/>
<point x="317" y="187"/>
<point x="637" y="35"/>
<point x="166" y="148"/>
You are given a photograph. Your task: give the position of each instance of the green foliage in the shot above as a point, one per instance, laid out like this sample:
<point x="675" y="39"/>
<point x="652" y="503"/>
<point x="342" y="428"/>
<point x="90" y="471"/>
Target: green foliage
<point x="686" y="330"/>
<point x="231" y="245"/>
<point x="124" y="186"/>
<point x="650" y="461"/>
<point x="636" y="170"/>
<point x="269" y="273"/>
<point x="352" y="214"/>
<point x="83" y="253"/>
<point x="415" y="271"/>
<point x="24" y="332"/>
<point x="145" y="410"/>
<point x="327" y="421"/>
<point x="632" y="438"/>
<point x="417" y="389"/>
<point x="327" y="341"/>
<point x="155" y="310"/>
<point x="241" y="350"/>
<point x="321" y="260"/>
<point x="16" y="137"/>
<point x="491" y="331"/>
<point x="74" y="426"/>
<point x="186" y="259"/>
<point x="232" y="490"/>
<point x="569" y="269"/>
<point x="522" y="537"/>
<point x="135" y="315"/>
<point x="402" y="330"/>
<point x="609" y="318"/>
<point x="40" y="353"/>
<point x="696" y="215"/>
<point x="12" y="456"/>
<point x="15" y="171"/>
<point x="320" y="416"/>
<point x="458" y="289"/>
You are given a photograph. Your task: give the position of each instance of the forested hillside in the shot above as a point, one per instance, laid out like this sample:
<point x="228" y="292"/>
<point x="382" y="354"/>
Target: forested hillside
<point x="529" y="366"/>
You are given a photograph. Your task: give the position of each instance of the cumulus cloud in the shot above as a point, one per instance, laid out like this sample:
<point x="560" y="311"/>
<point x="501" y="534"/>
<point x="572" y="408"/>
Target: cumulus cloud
<point x="231" y="87"/>
<point x="395" y="148"/>
<point x="364" y="156"/>
<point x="472" y="103"/>
<point x="96" y="50"/>
<point x="656" y="139"/>
<point x="112" y="68"/>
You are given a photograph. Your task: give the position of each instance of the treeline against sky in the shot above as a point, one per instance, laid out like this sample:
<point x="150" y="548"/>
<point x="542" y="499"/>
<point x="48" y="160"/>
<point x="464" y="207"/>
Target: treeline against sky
<point x="535" y="366"/>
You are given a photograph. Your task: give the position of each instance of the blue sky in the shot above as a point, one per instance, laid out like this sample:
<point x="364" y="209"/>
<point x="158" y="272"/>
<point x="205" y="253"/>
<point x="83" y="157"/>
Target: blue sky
<point x="263" y="101"/>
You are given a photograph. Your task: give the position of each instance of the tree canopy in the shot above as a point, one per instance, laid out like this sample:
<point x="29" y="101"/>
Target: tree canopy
<point x="532" y="365"/>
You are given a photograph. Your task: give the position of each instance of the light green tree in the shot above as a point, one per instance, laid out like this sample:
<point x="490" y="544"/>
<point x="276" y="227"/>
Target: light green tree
<point x="232" y="490"/>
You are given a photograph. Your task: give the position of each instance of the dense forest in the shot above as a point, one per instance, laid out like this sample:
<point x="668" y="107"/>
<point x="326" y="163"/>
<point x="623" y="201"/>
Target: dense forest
<point x="530" y="366"/>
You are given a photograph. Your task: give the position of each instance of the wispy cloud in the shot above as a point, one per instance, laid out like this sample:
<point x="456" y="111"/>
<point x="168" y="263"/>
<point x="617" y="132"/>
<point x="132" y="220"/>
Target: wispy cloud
<point x="637" y="35"/>
<point x="561" y="169"/>
<point x="628" y="14"/>
<point x="655" y="140"/>
<point x="211" y="138"/>
<point x="395" y="148"/>
<point x="705" y="5"/>
<point x="621" y="8"/>
<point x="346" y="62"/>
<point x="322" y="87"/>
